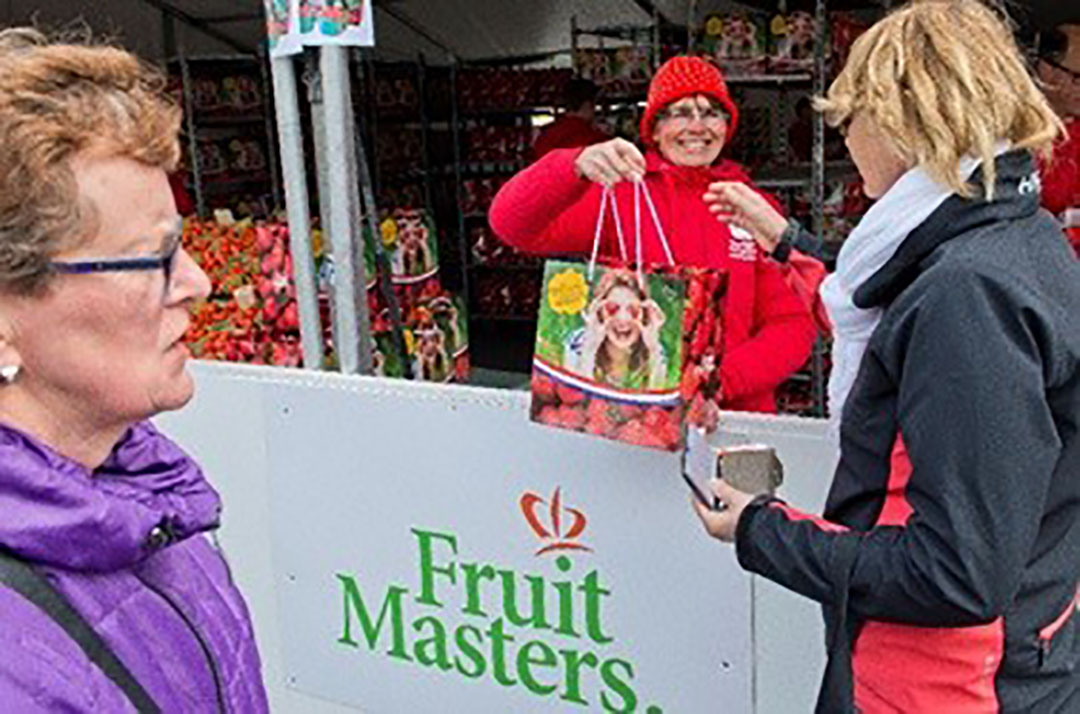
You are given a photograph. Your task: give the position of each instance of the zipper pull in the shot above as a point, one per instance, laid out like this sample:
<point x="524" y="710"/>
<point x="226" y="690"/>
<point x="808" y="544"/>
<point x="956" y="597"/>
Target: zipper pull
<point x="1044" y="651"/>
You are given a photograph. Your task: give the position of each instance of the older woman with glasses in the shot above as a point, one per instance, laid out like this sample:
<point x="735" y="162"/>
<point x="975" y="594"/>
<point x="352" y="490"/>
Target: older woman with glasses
<point x="553" y="206"/>
<point x="112" y="597"/>
<point x="946" y="560"/>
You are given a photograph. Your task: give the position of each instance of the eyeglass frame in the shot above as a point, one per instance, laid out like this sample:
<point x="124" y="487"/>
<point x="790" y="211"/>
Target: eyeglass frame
<point x="164" y="261"/>
<point x="696" y="113"/>
<point x="1073" y="74"/>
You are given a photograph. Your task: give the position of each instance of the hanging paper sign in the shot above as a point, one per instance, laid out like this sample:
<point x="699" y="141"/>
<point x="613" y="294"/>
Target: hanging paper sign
<point x="337" y="22"/>
<point x="283" y="27"/>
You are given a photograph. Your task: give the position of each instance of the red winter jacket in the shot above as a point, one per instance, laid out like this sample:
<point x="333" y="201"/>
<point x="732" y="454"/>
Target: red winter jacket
<point x="548" y="209"/>
<point x="1061" y="178"/>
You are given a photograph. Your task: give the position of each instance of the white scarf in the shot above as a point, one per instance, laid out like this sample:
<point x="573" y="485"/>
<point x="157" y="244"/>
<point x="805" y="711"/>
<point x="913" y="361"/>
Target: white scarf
<point x="870" y="246"/>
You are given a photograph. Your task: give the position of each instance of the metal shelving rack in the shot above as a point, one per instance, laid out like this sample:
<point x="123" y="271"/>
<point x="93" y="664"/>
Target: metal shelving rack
<point x="375" y="179"/>
<point x="195" y="125"/>
<point x="814" y="177"/>
<point x="636" y="35"/>
<point x="461" y="170"/>
<point x="818" y="356"/>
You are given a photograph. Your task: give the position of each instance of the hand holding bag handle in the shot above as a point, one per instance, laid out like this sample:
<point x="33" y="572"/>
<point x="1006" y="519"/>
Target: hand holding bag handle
<point x="607" y="196"/>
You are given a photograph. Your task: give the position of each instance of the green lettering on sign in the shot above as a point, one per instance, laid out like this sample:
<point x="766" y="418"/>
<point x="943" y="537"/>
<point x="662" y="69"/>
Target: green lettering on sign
<point x="428" y="570"/>
<point x="545" y="657"/>
<point x="392" y="602"/>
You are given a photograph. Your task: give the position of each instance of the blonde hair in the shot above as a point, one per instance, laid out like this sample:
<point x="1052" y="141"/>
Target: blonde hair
<point x="944" y="79"/>
<point x="57" y="100"/>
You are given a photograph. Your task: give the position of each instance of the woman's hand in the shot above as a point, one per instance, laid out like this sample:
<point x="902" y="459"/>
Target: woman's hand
<point x="738" y="204"/>
<point x="722" y="524"/>
<point x="611" y="162"/>
<point x="594" y="328"/>
<point x="650" y="330"/>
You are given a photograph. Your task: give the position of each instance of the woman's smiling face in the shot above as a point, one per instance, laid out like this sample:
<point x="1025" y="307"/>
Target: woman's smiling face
<point x="622" y="314"/>
<point x="691" y="131"/>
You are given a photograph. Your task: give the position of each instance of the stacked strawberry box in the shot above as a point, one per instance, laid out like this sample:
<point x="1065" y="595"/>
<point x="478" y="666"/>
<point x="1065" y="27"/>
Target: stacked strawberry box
<point x="251" y="315"/>
<point x="434" y="322"/>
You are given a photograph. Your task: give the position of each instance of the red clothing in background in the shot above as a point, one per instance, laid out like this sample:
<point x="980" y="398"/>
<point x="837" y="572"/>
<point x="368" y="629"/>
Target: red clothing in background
<point x="184" y="205"/>
<point x="567" y="132"/>
<point x="1061" y="179"/>
<point x="768" y="332"/>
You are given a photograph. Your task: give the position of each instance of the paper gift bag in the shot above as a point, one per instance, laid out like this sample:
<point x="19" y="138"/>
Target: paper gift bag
<point x="622" y="348"/>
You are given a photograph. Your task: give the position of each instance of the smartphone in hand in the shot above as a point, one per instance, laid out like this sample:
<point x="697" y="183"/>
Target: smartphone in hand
<point x="751" y="468"/>
<point x="699" y="466"/>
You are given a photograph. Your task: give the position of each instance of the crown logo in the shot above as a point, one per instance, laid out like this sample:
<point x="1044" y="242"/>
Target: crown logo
<point x="555" y="534"/>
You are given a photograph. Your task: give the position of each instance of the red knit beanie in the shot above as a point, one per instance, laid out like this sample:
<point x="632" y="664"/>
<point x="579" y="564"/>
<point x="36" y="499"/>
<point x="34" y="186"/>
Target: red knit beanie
<point x="682" y="77"/>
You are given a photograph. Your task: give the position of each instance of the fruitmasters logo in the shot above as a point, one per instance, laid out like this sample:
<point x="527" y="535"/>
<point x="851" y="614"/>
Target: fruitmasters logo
<point x="546" y="636"/>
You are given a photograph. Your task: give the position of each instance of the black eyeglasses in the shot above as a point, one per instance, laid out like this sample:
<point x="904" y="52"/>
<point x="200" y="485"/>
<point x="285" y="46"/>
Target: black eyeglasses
<point x="684" y="115"/>
<point x="1073" y="74"/>
<point x="164" y="261"/>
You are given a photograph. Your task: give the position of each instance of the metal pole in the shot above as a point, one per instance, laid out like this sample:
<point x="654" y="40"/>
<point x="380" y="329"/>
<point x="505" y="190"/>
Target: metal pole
<point x="818" y="158"/>
<point x="291" y="140"/>
<point x="265" y="70"/>
<point x="818" y="180"/>
<point x="312" y="79"/>
<point x="691" y="26"/>
<point x="655" y="40"/>
<point x="574" y="43"/>
<point x="425" y="131"/>
<point x="193" y="142"/>
<point x="353" y="331"/>
<point x="370" y="218"/>
<point x="463" y="239"/>
<point x="369" y="115"/>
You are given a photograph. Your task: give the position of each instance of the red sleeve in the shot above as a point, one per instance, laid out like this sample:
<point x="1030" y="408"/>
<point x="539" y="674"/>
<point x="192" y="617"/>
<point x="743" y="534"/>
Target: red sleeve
<point x="781" y="342"/>
<point x="184" y="205"/>
<point x="1061" y="177"/>
<point x="547" y="208"/>
<point x="804" y="276"/>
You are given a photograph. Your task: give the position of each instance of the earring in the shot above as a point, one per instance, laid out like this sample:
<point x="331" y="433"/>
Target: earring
<point x="8" y="373"/>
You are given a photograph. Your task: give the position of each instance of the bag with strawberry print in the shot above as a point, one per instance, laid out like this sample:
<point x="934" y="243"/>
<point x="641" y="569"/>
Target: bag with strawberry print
<point x="628" y="351"/>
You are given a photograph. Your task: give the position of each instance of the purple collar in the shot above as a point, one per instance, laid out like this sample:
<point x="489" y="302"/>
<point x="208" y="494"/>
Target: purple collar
<point x="147" y="494"/>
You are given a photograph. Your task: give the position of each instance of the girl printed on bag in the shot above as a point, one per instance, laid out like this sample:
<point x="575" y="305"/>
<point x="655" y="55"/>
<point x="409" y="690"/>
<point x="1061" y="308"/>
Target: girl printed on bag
<point x="620" y="343"/>
<point x="413" y="256"/>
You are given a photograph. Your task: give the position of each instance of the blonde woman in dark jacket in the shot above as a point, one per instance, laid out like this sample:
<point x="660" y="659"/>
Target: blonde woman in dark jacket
<point x="947" y="558"/>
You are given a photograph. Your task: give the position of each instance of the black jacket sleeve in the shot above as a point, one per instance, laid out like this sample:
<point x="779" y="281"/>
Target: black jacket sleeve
<point x="969" y="358"/>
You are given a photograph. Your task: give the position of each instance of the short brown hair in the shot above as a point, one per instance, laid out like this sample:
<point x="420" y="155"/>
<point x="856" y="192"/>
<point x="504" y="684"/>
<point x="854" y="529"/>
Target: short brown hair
<point x="944" y="79"/>
<point x="59" y="100"/>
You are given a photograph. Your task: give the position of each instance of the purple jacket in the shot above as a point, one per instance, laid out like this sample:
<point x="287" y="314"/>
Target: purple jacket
<point x="125" y="546"/>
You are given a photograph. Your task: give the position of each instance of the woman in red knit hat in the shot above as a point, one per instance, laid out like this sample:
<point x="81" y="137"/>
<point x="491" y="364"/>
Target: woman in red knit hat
<point x="552" y="208"/>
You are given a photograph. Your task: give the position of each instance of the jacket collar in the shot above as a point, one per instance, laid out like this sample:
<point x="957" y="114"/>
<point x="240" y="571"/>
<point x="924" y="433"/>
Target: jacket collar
<point x="57" y="512"/>
<point x="1016" y="196"/>
<point x="722" y="170"/>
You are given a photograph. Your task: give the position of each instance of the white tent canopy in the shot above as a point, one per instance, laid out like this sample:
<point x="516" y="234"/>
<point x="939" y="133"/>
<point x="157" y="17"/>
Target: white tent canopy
<point x="441" y="29"/>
